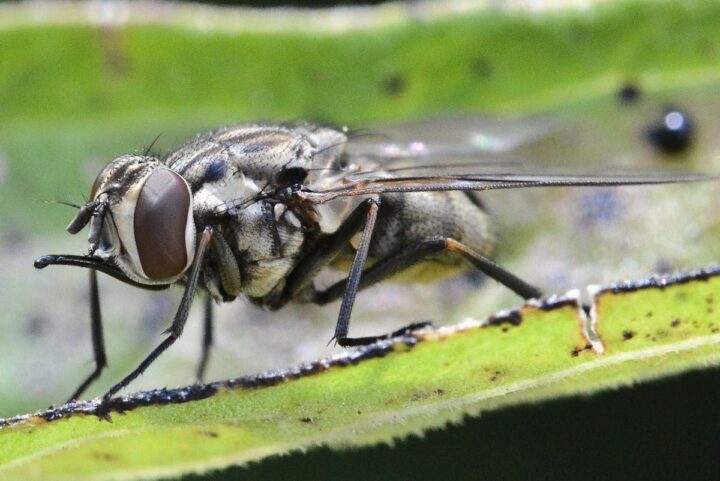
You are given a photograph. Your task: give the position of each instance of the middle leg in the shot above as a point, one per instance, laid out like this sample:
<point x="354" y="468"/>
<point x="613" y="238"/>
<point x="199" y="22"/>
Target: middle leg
<point x="405" y="258"/>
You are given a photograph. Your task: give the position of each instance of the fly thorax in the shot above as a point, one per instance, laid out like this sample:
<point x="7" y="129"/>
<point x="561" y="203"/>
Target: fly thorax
<point x="269" y="238"/>
<point x="327" y="145"/>
<point x="226" y="194"/>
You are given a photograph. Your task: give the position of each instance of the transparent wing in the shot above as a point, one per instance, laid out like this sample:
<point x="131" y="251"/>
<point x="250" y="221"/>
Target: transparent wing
<point x="455" y="137"/>
<point x="480" y="154"/>
<point x="480" y="182"/>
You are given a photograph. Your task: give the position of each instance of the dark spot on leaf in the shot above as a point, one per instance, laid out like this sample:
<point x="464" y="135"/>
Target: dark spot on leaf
<point x="104" y="456"/>
<point x="577" y="350"/>
<point x="424" y="395"/>
<point x="210" y="434"/>
<point x="307" y="420"/>
<point x="114" y="58"/>
<point x="505" y="329"/>
<point x="627" y="335"/>
<point x="675" y="323"/>
<point x="393" y="84"/>
<point x="649" y="314"/>
<point x="579" y="33"/>
<point x="628" y="94"/>
<point x="316" y="75"/>
<point x="481" y="67"/>
<point x="495" y="376"/>
<point x="359" y="412"/>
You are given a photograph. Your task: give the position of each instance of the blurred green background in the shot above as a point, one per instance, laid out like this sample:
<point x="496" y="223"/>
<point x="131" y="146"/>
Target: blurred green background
<point x="83" y="82"/>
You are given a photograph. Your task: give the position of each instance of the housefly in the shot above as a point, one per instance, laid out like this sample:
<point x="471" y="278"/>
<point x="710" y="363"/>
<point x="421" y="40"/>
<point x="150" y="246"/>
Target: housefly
<point x="258" y="210"/>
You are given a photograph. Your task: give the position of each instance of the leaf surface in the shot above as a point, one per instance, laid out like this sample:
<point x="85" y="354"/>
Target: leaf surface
<point x="388" y="390"/>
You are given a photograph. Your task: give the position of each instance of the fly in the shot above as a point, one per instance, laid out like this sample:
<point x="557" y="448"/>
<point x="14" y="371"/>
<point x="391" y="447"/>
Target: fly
<point x="259" y="210"/>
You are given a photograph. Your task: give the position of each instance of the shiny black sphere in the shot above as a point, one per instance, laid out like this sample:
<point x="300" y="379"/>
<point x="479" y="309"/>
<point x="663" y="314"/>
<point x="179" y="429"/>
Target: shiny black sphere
<point x="674" y="133"/>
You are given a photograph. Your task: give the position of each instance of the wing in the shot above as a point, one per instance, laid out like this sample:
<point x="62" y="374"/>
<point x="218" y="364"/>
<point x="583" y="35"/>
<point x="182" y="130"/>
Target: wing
<point x="476" y="154"/>
<point x="457" y="136"/>
<point x="481" y="182"/>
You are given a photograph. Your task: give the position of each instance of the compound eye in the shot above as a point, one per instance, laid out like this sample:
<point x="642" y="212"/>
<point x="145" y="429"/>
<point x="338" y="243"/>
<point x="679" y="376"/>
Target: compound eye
<point x="162" y="214"/>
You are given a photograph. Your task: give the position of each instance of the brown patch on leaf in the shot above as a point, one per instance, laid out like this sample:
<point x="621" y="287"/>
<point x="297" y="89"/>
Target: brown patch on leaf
<point x="577" y="350"/>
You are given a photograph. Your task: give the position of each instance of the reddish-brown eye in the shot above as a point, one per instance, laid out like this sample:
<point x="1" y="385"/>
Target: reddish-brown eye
<point x="161" y="217"/>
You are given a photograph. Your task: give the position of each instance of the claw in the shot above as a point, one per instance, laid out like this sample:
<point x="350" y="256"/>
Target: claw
<point x="103" y="410"/>
<point x="103" y="413"/>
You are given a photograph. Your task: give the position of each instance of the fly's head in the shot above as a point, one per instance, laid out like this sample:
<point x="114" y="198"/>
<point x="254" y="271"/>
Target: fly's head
<point x="140" y="222"/>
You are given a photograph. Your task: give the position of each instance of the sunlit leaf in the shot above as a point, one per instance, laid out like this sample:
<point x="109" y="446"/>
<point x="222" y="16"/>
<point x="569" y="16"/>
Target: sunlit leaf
<point x="388" y="390"/>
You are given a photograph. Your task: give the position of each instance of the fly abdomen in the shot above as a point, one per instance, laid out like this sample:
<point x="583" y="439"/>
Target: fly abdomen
<point x="405" y="220"/>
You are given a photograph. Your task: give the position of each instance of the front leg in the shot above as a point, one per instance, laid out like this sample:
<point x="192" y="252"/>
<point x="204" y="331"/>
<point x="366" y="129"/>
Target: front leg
<point x="175" y="330"/>
<point x="96" y="332"/>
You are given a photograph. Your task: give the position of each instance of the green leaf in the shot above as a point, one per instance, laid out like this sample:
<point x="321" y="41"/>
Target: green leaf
<point x="389" y="390"/>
